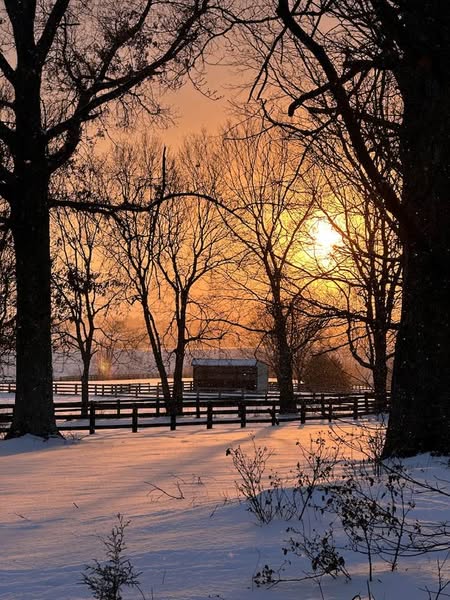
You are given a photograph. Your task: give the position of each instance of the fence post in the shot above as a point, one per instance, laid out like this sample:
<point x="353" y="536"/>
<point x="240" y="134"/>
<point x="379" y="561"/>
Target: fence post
<point x="322" y="405"/>
<point x="209" y="415"/>
<point x="366" y="402"/>
<point x="173" y="420"/>
<point x="158" y="407"/>
<point x="355" y="409"/>
<point x="330" y="410"/>
<point x="243" y="413"/>
<point x="273" y="415"/>
<point x="134" y="419"/>
<point x="118" y="407"/>
<point x="91" y="418"/>
<point x="303" y="412"/>
<point x="197" y="405"/>
<point x="76" y="389"/>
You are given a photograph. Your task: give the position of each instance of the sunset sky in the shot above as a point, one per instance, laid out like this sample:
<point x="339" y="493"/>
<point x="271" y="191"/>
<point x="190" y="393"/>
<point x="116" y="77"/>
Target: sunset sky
<point x="193" y="111"/>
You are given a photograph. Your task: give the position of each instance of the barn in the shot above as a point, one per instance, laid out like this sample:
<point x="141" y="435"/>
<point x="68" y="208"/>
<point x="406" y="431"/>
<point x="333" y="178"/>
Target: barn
<point x="230" y="374"/>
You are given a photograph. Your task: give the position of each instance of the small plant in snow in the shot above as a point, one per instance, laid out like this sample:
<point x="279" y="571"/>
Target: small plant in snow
<point x="321" y="550"/>
<point x="275" y="497"/>
<point x="251" y="470"/>
<point x="106" y="579"/>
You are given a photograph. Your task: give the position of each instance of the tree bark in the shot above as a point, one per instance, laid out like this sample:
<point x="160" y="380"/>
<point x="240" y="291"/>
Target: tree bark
<point x="180" y="351"/>
<point x="177" y="397"/>
<point x="380" y="370"/>
<point x="284" y="360"/>
<point x="157" y="355"/>
<point x="33" y="409"/>
<point x="420" y="415"/>
<point x="28" y="199"/>
<point x="85" y="387"/>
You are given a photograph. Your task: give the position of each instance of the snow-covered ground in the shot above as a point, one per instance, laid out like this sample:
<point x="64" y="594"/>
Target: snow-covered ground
<point x="188" y="534"/>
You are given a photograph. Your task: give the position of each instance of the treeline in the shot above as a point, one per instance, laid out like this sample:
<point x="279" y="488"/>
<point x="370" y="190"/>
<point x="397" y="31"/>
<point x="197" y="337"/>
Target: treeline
<point x="230" y="242"/>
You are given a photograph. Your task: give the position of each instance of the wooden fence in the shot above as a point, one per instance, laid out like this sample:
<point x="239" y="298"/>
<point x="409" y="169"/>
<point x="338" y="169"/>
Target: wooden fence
<point x="127" y="390"/>
<point x="73" y="388"/>
<point x="202" y="410"/>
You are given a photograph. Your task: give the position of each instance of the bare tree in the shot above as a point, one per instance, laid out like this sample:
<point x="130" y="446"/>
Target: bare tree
<point x="167" y="254"/>
<point x="63" y="64"/>
<point x="136" y="174"/>
<point x="304" y="331"/>
<point x="362" y="278"/>
<point x="194" y="245"/>
<point x="85" y="291"/>
<point x="372" y="75"/>
<point x="118" y="341"/>
<point x="267" y="213"/>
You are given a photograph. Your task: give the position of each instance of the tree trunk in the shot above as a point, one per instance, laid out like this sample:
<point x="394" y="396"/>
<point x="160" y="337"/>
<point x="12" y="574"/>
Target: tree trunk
<point x="85" y="388"/>
<point x="380" y="370"/>
<point x="179" y="353"/>
<point x="420" y="415"/>
<point x="157" y="355"/>
<point x="178" y="381"/>
<point x="286" y="387"/>
<point x="284" y="371"/>
<point x="33" y="410"/>
<point x="28" y="199"/>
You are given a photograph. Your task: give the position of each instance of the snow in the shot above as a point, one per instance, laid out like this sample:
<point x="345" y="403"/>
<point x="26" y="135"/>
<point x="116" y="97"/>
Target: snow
<point x="189" y="535"/>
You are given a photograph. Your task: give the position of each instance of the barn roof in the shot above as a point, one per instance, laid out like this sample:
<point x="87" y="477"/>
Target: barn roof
<point x="224" y="362"/>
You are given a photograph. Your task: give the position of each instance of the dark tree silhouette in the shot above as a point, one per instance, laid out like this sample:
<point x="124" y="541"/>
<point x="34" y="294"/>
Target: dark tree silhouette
<point x="84" y="289"/>
<point x="167" y="254"/>
<point x="267" y="213"/>
<point x="362" y="281"/>
<point x="63" y="64"/>
<point x="372" y="75"/>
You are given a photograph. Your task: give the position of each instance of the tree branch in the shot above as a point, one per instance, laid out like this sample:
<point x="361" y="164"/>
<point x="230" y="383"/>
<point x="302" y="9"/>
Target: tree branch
<point x="51" y="27"/>
<point x="409" y="227"/>
<point x="6" y="69"/>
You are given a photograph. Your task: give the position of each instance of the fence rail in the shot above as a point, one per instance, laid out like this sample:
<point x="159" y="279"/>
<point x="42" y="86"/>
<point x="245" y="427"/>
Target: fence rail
<point x="123" y="413"/>
<point x="126" y="390"/>
<point x="73" y="388"/>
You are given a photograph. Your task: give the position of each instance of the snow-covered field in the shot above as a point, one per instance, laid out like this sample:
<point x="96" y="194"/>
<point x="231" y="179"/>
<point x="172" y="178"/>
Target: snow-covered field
<point x="188" y="534"/>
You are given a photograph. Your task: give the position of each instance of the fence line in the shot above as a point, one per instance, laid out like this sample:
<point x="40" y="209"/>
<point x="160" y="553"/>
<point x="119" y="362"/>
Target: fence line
<point x="204" y="410"/>
<point x="128" y="390"/>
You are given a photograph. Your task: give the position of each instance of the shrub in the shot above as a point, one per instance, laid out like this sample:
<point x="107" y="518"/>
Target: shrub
<point x="106" y="579"/>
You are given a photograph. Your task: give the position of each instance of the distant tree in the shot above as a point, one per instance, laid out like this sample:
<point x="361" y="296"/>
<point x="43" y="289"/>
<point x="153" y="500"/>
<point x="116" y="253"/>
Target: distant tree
<point x="304" y="330"/>
<point x="267" y="212"/>
<point x="166" y="254"/>
<point x="64" y="64"/>
<point x="362" y="277"/>
<point x="325" y="373"/>
<point x="85" y="291"/>
<point x="193" y="249"/>
<point x="117" y="342"/>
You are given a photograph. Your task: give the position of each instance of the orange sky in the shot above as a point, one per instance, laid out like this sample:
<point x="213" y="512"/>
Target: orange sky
<point x="194" y="111"/>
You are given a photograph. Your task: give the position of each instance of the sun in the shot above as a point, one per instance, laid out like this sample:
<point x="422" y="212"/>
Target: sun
<point x="325" y="237"/>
